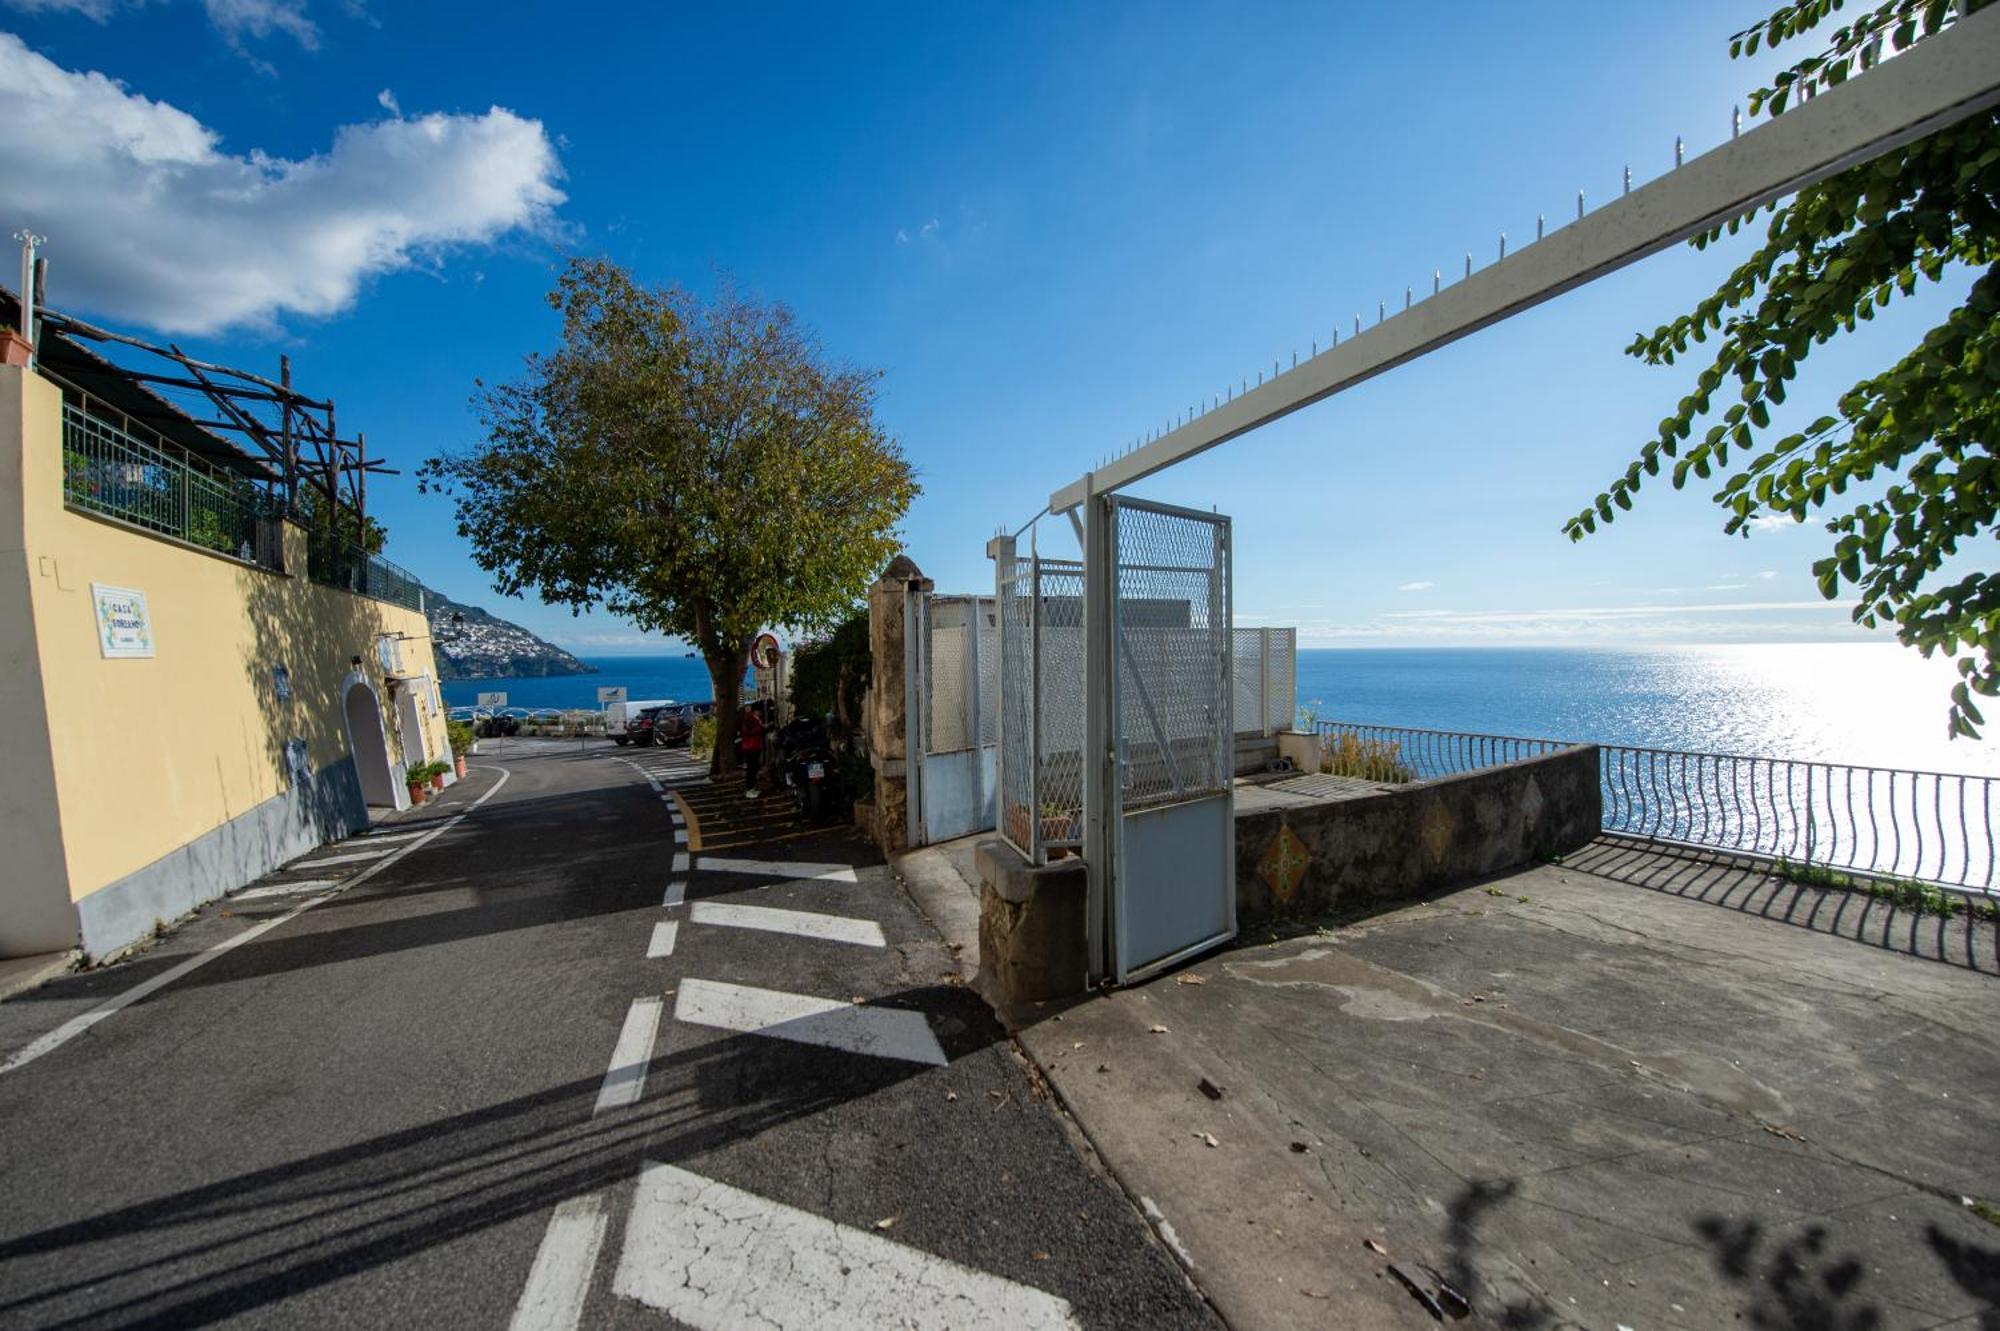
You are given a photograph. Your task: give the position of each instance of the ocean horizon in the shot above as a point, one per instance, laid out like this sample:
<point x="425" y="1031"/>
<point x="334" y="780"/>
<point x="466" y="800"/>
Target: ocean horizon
<point x="1864" y="703"/>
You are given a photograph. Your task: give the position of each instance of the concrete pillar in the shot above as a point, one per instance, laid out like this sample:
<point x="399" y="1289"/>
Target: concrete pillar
<point x="889" y="723"/>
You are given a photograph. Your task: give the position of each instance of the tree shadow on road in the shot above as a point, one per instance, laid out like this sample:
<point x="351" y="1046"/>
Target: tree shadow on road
<point x="272" y="1233"/>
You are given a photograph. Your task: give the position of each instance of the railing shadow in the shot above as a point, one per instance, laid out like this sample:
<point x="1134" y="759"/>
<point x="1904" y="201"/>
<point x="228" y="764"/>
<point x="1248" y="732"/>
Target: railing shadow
<point x="1749" y="887"/>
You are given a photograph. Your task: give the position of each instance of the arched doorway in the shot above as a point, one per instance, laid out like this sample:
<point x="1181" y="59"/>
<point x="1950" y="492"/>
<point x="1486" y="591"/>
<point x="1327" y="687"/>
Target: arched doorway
<point x="368" y="744"/>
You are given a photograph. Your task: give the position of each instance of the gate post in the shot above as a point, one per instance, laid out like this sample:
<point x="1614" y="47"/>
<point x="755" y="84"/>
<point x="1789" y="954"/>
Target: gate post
<point x="891" y="723"/>
<point x="1100" y="825"/>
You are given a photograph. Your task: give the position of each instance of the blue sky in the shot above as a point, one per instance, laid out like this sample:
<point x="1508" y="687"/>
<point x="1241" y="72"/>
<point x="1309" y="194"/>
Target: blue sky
<point x="1051" y="227"/>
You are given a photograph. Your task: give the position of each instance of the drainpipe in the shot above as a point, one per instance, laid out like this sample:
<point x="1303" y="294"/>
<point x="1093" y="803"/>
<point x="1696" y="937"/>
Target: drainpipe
<point x="30" y="242"/>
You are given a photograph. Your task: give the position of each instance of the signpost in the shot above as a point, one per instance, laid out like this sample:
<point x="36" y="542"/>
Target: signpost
<point x="492" y="700"/>
<point x="610" y="693"/>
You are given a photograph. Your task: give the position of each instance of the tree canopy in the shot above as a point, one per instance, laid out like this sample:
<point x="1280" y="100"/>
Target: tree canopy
<point x="1831" y="257"/>
<point x="697" y="467"/>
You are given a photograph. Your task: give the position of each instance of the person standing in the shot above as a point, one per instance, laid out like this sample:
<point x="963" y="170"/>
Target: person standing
<point x="750" y="737"/>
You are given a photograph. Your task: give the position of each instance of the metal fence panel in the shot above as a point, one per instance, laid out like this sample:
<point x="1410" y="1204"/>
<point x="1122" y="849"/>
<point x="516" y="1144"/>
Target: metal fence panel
<point x="1281" y="670"/>
<point x="1017" y="704"/>
<point x="946" y="702"/>
<point x="113" y="473"/>
<point x="1060" y="703"/>
<point x="986" y="642"/>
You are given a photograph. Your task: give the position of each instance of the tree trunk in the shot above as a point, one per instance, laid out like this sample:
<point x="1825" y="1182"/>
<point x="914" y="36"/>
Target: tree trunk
<point x="725" y="677"/>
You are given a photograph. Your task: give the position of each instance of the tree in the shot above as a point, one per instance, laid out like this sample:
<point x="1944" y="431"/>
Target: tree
<point x="1832" y="256"/>
<point x="697" y="467"/>
<point x="830" y="673"/>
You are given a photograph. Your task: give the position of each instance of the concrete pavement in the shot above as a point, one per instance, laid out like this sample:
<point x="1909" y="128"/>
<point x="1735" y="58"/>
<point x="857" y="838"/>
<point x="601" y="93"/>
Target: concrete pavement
<point x="1632" y="1089"/>
<point x="546" y="1067"/>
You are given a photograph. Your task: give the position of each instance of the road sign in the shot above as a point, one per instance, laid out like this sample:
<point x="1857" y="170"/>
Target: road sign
<point x="492" y="700"/>
<point x="764" y="652"/>
<point x="611" y="693"/>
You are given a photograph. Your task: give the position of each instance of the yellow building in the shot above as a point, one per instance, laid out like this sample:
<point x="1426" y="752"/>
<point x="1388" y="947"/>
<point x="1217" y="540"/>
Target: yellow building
<point x="180" y="717"/>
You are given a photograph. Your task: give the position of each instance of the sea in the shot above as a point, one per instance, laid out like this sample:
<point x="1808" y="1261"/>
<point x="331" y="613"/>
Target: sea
<point x="1865" y="703"/>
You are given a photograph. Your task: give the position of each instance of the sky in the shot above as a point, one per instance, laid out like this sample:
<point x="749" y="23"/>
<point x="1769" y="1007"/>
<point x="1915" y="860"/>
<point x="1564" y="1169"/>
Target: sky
<point x="1051" y="228"/>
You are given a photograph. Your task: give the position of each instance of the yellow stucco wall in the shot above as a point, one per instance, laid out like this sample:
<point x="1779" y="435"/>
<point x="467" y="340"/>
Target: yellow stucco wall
<point x="150" y="753"/>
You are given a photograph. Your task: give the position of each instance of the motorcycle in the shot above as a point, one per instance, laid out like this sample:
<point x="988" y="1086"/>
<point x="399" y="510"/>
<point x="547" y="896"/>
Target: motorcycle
<point x="805" y="764"/>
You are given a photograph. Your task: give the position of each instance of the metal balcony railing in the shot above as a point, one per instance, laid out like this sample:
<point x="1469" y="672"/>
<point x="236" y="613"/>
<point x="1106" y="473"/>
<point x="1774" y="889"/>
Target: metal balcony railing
<point x="115" y="474"/>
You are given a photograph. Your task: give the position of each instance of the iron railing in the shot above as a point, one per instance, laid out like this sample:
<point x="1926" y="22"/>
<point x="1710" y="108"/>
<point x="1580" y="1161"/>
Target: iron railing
<point x="343" y="564"/>
<point x="1396" y="754"/>
<point x="1929" y="827"/>
<point x="1880" y="822"/>
<point x="115" y="474"/>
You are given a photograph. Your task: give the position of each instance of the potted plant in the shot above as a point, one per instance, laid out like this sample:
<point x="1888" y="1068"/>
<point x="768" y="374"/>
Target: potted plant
<point x="419" y="788"/>
<point x="14" y="349"/>
<point x="1057" y="824"/>
<point x="436" y="769"/>
<point x="462" y="743"/>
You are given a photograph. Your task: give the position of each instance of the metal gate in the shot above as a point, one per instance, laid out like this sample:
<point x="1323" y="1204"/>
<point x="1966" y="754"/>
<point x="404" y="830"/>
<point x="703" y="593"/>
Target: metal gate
<point x="1161" y="843"/>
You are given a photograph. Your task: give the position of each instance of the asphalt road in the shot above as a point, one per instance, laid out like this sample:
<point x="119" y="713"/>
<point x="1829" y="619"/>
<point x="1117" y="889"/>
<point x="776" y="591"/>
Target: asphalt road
<point x="408" y="1100"/>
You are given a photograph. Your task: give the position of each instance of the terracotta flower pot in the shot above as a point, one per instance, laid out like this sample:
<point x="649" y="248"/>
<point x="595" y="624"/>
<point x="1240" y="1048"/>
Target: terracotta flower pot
<point x="14" y="349"/>
<point x="458" y="760"/>
<point x="437" y="783"/>
<point x="418" y="793"/>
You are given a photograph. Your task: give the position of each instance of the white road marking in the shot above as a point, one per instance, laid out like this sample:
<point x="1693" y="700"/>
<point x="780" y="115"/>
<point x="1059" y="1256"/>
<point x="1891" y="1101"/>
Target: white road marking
<point x="680" y="861"/>
<point x="677" y="892"/>
<point x="82" y="1022"/>
<point x="680" y="836"/>
<point x="288" y="889"/>
<point x="836" y="873"/>
<point x="803" y="923"/>
<point x="664" y="934"/>
<point x="352" y="857"/>
<point x="386" y="833"/>
<point x="626" y="1076"/>
<point x="717" y="1258"/>
<point x="835" y="1024"/>
<point x="654" y="784"/>
<point x="559" y="1281"/>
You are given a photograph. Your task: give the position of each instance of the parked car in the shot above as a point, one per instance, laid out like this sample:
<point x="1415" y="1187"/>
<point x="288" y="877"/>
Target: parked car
<point x="677" y="723"/>
<point x="619" y="716"/>
<point x="643" y="728"/>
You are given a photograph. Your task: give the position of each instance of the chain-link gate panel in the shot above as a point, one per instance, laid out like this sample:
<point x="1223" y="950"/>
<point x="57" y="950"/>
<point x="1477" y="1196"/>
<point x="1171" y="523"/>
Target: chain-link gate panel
<point x="1167" y="804"/>
<point x="1173" y="650"/>
<point x="1059" y="712"/>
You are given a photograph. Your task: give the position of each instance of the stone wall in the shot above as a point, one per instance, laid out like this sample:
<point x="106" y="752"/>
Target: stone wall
<point x="1413" y="841"/>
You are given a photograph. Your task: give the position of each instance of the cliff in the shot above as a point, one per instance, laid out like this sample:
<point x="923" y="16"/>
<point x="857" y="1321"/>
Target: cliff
<point x="472" y="644"/>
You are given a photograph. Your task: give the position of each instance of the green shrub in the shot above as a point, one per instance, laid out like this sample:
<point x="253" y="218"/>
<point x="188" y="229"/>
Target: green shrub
<point x="1349" y="754"/>
<point x="460" y="734"/>
<point x="701" y="736"/>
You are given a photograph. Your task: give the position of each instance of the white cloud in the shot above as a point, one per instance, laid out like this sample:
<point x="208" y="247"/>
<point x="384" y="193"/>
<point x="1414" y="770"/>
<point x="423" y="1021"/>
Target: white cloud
<point x="902" y="236"/>
<point x="387" y="101"/>
<point x="151" y="222"/>
<point x="1767" y="574"/>
<point x="1773" y="522"/>
<point x="95" y="10"/>
<point x="234" y="19"/>
<point x="1415" y="586"/>
<point x="237" y="19"/>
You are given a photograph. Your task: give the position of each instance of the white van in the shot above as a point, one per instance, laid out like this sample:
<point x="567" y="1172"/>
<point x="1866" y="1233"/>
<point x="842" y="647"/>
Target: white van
<point x="618" y="714"/>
